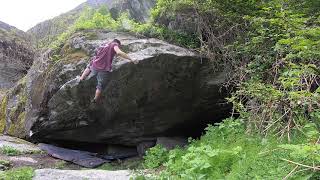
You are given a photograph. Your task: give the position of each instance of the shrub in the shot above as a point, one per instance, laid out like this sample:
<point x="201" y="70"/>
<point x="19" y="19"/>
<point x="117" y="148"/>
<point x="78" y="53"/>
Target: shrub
<point x="155" y="157"/>
<point x="227" y="152"/>
<point x="273" y="49"/>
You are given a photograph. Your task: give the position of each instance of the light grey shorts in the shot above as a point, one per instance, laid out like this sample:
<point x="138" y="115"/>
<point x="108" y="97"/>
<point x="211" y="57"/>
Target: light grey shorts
<point x="102" y="77"/>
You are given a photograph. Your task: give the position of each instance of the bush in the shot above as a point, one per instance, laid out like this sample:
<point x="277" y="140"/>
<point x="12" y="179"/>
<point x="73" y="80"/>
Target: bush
<point x="227" y="152"/>
<point x="273" y="48"/>
<point x="155" y="157"/>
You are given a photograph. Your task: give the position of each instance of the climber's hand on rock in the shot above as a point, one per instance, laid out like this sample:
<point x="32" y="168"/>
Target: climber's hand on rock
<point x="135" y="61"/>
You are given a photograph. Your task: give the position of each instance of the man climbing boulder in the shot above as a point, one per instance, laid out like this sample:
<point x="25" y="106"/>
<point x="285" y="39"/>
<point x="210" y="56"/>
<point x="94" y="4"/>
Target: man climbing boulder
<point x="101" y="65"/>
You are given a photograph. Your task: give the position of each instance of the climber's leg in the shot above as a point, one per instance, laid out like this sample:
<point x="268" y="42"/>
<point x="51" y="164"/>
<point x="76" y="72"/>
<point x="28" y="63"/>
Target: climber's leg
<point x="102" y="79"/>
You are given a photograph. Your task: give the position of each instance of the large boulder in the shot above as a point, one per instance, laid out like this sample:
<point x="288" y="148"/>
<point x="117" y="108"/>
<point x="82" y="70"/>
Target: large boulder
<point x="171" y="92"/>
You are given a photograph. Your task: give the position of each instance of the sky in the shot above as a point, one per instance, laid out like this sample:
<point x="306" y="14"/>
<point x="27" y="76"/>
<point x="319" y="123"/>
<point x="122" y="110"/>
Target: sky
<point x="24" y="14"/>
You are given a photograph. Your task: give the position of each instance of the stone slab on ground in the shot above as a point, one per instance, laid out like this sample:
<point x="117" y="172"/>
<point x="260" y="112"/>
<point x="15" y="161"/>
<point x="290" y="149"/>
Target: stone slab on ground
<point x="82" y="158"/>
<point x="50" y="174"/>
<point x="18" y="144"/>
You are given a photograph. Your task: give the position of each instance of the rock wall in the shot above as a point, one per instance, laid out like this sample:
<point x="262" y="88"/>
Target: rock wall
<point x="16" y="55"/>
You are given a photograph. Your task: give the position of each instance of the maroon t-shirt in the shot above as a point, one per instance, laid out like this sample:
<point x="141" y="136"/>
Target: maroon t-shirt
<point x="103" y="59"/>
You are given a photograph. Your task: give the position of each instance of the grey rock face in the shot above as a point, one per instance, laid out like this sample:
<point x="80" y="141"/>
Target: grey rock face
<point x="8" y="28"/>
<point x="171" y="92"/>
<point x="137" y="9"/>
<point x="16" y="55"/>
<point x="144" y="146"/>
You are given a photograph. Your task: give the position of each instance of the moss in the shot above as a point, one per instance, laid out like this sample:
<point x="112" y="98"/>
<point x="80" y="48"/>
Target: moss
<point x="3" y="112"/>
<point x="17" y="114"/>
<point x="74" y="56"/>
<point x="91" y="35"/>
<point x="17" y="128"/>
<point x="23" y="98"/>
<point x="23" y="173"/>
<point x="13" y="112"/>
<point x="3" y="92"/>
<point x="60" y="165"/>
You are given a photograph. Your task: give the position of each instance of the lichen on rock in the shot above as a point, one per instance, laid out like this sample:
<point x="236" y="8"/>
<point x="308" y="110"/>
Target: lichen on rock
<point x="14" y="110"/>
<point x="3" y="112"/>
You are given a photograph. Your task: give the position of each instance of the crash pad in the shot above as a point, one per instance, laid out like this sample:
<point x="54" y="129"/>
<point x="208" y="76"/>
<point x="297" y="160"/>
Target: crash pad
<point x="82" y="158"/>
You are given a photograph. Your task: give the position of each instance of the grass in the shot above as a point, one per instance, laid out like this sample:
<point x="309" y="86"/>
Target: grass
<point x="10" y="151"/>
<point x="23" y="173"/>
<point x="60" y="165"/>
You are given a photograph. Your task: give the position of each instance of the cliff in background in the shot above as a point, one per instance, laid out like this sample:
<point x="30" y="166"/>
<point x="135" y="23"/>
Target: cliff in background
<point x="16" y="55"/>
<point x="46" y="32"/>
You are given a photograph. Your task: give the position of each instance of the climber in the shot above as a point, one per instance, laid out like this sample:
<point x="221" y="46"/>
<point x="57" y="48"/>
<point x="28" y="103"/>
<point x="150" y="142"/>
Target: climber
<point x="101" y="65"/>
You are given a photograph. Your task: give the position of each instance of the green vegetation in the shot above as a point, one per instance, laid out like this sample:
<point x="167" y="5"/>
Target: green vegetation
<point x="155" y="157"/>
<point x="24" y="173"/>
<point x="60" y="165"/>
<point x="9" y="151"/>
<point x="227" y="152"/>
<point x="17" y="113"/>
<point x="60" y="23"/>
<point x="4" y="165"/>
<point x="3" y="162"/>
<point x="3" y="111"/>
<point x="92" y="19"/>
<point x="273" y="49"/>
